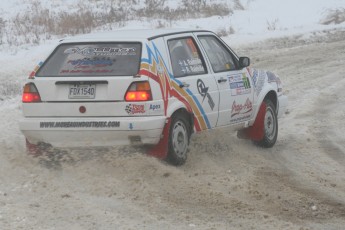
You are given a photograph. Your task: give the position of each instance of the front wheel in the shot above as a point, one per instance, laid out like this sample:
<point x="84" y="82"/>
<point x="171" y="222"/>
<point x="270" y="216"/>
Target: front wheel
<point x="179" y="135"/>
<point x="270" y="126"/>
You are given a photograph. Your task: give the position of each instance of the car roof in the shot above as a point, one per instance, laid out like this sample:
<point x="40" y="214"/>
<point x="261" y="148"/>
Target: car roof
<point x="128" y="35"/>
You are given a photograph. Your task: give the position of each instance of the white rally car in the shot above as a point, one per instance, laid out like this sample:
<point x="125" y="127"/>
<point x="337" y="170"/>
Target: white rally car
<point x="149" y="87"/>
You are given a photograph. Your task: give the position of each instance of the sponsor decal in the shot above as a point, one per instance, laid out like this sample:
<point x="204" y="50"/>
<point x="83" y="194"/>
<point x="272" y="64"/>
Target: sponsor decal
<point x="87" y="63"/>
<point x="130" y="126"/>
<point x="82" y="124"/>
<point x="255" y="76"/>
<point x="240" y="109"/>
<point x="65" y="71"/>
<point x="239" y="84"/>
<point x="241" y="112"/>
<point x="271" y="77"/>
<point x="260" y="82"/>
<point x="135" y="109"/>
<point x="203" y="90"/>
<point x="239" y="119"/>
<point x="101" y="51"/>
<point x="155" y="107"/>
<point x="259" y="77"/>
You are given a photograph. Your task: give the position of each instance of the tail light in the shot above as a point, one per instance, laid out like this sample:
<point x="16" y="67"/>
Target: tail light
<point x="139" y="91"/>
<point x="30" y="94"/>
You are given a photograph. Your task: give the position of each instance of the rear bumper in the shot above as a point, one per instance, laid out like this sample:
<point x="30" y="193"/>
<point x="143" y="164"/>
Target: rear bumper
<point x="93" y="132"/>
<point x="282" y="106"/>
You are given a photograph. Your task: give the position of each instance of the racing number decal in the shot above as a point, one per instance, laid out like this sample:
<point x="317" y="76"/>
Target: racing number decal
<point x="203" y="90"/>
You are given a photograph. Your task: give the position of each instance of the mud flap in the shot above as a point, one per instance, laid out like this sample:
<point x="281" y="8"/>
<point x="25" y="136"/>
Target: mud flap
<point x="161" y="149"/>
<point x="35" y="150"/>
<point x="31" y="149"/>
<point x="257" y="131"/>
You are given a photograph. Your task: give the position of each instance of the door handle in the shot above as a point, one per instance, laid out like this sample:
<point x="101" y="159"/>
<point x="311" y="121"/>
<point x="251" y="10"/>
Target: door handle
<point x="221" y="80"/>
<point x="184" y="84"/>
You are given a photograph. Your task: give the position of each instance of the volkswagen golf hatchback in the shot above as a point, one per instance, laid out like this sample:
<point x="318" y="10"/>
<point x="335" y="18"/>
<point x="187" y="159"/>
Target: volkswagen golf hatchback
<point x="148" y="87"/>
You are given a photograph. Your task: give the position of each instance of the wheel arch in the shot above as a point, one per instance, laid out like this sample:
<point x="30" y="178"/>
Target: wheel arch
<point x="179" y="107"/>
<point x="188" y="115"/>
<point x="269" y="94"/>
<point x="273" y="97"/>
<point x="256" y="131"/>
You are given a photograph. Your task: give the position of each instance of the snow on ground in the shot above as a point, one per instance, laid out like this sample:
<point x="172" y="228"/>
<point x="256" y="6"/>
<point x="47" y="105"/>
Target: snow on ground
<point x="282" y="15"/>
<point x="227" y="183"/>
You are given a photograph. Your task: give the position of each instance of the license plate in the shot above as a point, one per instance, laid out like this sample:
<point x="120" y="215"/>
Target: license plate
<point x="82" y="91"/>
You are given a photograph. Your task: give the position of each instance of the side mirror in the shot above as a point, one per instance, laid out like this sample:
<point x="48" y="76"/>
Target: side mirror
<point x="244" y="62"/>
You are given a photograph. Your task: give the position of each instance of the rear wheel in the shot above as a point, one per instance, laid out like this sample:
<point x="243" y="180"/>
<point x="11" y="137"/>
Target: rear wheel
<point x="179" y="135"/>
<point x="270" y="126"/>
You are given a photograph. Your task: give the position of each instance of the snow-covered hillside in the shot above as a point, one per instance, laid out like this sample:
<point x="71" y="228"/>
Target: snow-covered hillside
<point x="24" y="41"/>
<point x="36" y="21"/>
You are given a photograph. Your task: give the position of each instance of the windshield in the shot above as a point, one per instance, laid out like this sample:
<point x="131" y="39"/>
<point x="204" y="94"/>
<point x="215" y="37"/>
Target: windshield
<point x="92" y="59"/>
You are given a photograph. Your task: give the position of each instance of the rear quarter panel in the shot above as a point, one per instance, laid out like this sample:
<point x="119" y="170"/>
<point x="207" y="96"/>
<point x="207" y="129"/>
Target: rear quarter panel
<point x="155" y="64"/>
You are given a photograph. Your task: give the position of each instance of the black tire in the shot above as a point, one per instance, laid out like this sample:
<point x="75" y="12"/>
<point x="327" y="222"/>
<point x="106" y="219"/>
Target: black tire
<point x="179" y="135"/>
<point x="270" y="126"/>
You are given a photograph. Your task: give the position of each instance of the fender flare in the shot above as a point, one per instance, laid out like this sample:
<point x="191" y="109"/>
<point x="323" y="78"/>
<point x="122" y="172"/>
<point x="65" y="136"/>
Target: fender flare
<point x="175" y="106"/>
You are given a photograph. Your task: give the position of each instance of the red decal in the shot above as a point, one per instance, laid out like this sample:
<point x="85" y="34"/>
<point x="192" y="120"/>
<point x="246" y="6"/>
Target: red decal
<point x="241" y="108"/>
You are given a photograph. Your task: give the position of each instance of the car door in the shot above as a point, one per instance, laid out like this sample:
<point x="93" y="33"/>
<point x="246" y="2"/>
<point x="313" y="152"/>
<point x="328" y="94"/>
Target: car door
<point x="234" y="84"/>
<point x="190" y="71"/>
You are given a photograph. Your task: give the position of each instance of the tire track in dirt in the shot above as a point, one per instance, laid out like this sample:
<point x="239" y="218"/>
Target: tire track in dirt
<point x="307" y="176"/>
<point x="330" y="135"/>
<point x="226" y="183"/>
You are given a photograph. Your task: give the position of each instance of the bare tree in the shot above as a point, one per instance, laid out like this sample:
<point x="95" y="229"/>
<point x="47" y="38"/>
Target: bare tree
<point x="2" y="29"/>
<point x="154" y="4"/>
<point x="194" y="4"/>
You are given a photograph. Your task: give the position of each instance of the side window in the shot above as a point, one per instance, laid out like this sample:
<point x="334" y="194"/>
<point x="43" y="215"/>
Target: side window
<point x="220" y="57"/>
<point x="185" y="57"/>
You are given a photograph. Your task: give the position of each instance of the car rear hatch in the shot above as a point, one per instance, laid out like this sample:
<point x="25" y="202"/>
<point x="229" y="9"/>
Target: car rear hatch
<point x="93" y="75"/>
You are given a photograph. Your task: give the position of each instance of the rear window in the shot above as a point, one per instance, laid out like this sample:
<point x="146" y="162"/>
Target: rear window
<point x="92" y="59"/>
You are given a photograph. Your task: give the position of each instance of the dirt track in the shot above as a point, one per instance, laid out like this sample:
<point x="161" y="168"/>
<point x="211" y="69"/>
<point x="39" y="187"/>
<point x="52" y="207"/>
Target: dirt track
<point x="226" y="183"/>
